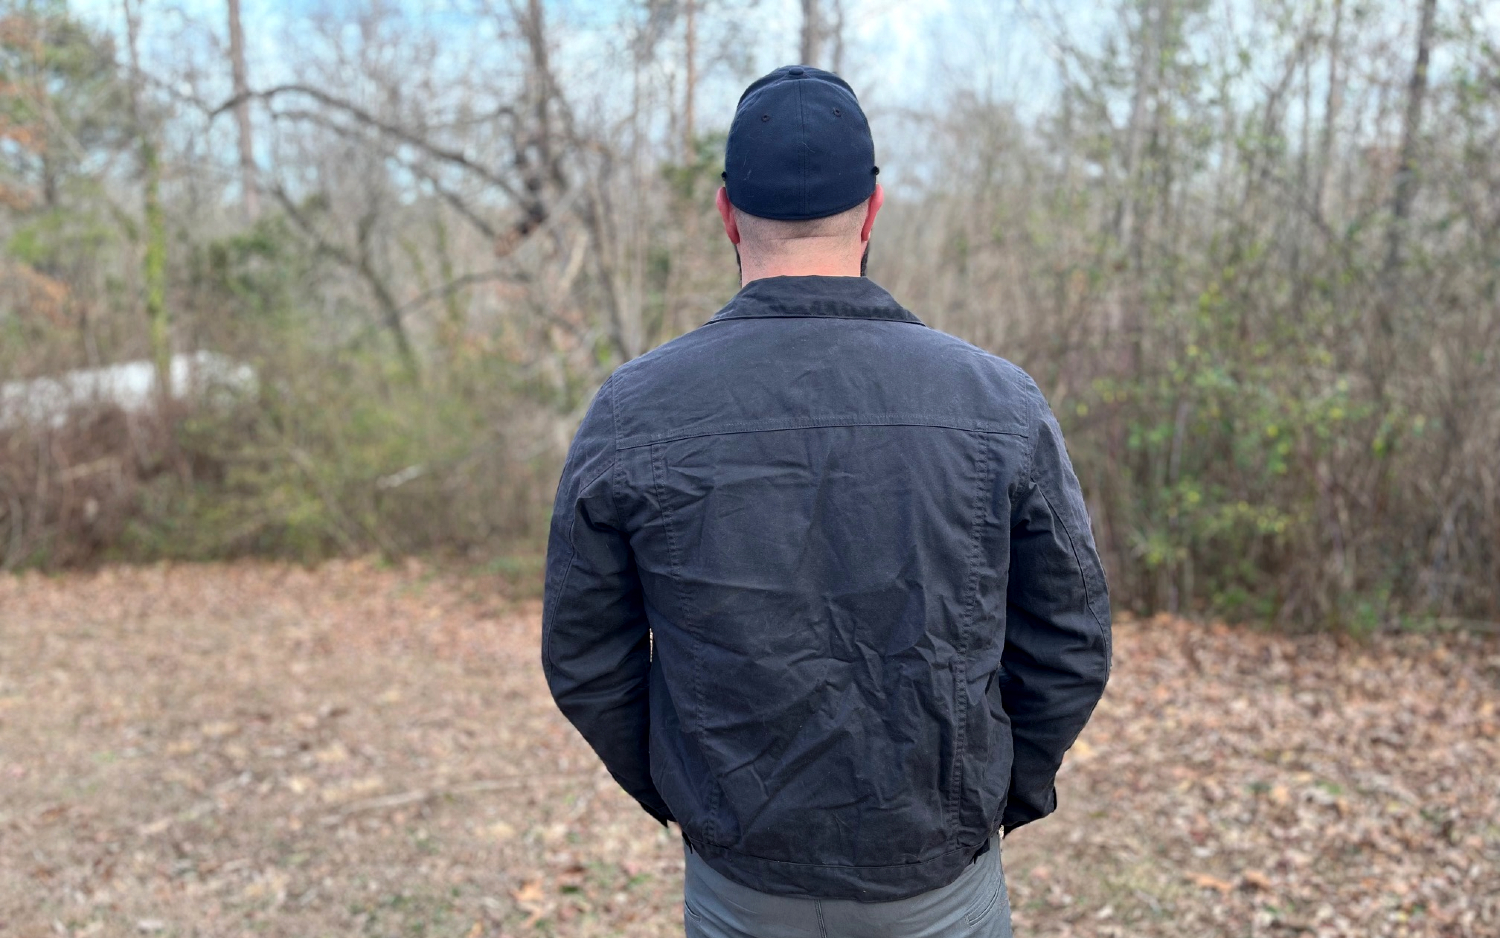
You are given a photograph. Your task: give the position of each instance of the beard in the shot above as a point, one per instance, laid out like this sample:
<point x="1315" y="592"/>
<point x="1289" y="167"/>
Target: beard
<point x="864" y="261"/>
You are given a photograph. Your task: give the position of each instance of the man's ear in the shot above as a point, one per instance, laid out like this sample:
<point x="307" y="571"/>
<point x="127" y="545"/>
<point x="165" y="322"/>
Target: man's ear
<point x="726" y="212"/>
<point x="877" y="199"/>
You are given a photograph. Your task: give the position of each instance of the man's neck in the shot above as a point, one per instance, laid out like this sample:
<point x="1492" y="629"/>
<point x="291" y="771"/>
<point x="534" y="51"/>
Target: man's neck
<point x="761" y="268"/>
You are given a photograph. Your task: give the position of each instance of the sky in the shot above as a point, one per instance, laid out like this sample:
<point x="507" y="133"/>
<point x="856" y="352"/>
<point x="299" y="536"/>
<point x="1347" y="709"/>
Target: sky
<point x="903" y="57"/>
<point x="900" y="54"/>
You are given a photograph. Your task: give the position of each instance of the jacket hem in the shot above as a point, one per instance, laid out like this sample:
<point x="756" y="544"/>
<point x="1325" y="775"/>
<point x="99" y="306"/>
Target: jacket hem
<point x="818" y="881"/>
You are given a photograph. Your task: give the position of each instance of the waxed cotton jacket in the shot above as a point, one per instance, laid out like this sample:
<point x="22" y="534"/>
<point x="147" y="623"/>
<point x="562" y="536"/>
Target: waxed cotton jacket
<point x="821" y="587"/>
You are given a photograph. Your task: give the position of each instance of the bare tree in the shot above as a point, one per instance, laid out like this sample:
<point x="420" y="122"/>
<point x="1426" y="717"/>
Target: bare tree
<point x="690" y="76"/>
<point x="154" y="258"/>
<point x="1251" y="255"/>
<point x="836" y="38"/>
<point x="249" y="189"/>
<point x="811" y="50"/>
<point x="1407" y="180"/>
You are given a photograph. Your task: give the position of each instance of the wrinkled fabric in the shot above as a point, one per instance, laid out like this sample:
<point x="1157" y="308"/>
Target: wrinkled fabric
<point x="821" y="587"/>
<point x="975" y="905"/>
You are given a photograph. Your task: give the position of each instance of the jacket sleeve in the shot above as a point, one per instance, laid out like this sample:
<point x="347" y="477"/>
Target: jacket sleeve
<point x="596" y="650"/>
<point x="1057" y="644"/>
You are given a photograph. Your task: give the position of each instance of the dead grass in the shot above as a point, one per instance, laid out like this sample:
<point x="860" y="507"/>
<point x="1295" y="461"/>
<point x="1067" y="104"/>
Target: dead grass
<point x="254" y="749"/>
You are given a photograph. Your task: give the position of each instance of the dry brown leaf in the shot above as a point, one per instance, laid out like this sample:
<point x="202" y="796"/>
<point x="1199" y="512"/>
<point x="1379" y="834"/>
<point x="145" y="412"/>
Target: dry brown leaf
<point x="1214" y="749"/>
<point x="1211" y="882"/>
<point x="531" y="893"/>
<point x="1255" y="879"/>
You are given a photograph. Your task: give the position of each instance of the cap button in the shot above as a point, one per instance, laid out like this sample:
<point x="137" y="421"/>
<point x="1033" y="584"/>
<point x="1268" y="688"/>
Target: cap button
<point x="794" y="71"/>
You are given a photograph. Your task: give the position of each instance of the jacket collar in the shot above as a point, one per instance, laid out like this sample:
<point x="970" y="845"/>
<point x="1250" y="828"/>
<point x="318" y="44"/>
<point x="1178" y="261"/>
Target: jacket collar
<point x="814" y="297"/>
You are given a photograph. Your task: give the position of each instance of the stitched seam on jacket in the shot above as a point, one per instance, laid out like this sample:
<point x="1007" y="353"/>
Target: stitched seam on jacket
<point x="738" y="317"/>
<point x="961" y="664"/>
<point x="614" y="416"/>
<point x="844" y="866"/>
<point x="813" y="423"/>
<point x="562" y="586"/>
<point x="1029" y="473"/>
<point x="690" y="619"/>
<point x="618" y="463"/>
<point x="1088" y="599"/>
<point x="548" y="622"/>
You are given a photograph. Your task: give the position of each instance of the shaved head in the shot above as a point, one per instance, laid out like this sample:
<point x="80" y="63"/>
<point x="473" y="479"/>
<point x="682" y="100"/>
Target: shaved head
<point x="771" y="234"/>
<point x="832" y="246"/>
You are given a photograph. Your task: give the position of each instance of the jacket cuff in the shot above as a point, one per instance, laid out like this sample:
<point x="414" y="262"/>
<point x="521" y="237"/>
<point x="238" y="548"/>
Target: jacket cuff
<point x="652" y="804"/>
<point x="659" y="813"/>
<point x="1018" y="813"/>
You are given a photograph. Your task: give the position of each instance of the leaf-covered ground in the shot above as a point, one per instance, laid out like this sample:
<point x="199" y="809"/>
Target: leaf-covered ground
<point x="263" y="750"/>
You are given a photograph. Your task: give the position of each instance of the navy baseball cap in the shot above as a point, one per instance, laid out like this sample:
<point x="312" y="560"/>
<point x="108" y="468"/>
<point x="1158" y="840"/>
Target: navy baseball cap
<point x="799" y="147"/>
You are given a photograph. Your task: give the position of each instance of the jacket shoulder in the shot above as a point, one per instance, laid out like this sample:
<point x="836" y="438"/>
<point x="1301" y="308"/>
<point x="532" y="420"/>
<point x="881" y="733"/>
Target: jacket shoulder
<point x="1007" y="377"/>
<point x="751" y="369"/>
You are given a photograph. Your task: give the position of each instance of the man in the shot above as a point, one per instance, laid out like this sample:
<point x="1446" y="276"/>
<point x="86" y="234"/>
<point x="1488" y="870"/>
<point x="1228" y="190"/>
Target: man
<point x="821" y="586"/>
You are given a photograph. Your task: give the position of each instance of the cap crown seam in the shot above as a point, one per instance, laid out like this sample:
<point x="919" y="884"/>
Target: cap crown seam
<point x="804" y="143"/>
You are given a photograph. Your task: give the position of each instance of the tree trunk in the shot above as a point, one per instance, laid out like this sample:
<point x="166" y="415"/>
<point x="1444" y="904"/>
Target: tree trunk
<point x="155" y="267"/>
<point x="1406" y="173"/>
<point x="248" y="188"/>
<point x="1331" y="106"/>
<point x="154" y="259"/>
<point x="812" y="33"/>
<point x="1383" y="339"/>
<point x="836" y="38"/>
<point x="690" y="42"/>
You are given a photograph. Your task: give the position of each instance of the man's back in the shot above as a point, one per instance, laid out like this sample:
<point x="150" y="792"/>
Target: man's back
<point x="861" y="553"/>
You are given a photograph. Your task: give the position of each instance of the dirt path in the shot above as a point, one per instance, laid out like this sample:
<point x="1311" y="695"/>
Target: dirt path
<point x="263" y="750"/>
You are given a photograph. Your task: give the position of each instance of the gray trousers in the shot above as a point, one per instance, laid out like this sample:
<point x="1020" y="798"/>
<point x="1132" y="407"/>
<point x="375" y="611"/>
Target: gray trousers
<point x="975" y="905"/>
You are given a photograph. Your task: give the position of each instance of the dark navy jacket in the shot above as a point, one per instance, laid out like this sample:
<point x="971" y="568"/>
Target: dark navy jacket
<point x="821" y="587"/>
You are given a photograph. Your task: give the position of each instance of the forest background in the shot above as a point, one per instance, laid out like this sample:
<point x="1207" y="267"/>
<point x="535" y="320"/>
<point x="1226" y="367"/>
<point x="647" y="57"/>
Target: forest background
<point x="386" y="251"/>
